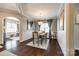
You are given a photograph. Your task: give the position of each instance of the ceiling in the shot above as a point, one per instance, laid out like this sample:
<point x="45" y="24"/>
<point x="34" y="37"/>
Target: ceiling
<point x="34" y="11"/>
<point x="37" y="11"/>
<point x="10" y="6"/>
<point x="41" y="10"/>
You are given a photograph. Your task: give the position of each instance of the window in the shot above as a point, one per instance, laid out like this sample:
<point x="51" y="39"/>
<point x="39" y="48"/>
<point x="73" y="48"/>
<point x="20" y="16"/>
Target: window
<point x="44" y="27"/>
<point x="11" y="27"/>
<point x="29" y="26"/>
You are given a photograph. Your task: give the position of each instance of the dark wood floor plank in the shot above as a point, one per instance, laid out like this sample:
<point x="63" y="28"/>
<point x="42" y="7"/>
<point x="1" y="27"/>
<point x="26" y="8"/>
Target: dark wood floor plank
<point x="21" y="49"/>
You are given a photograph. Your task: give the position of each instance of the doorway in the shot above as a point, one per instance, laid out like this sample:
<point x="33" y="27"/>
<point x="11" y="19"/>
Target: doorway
<point x="11" y="32"/>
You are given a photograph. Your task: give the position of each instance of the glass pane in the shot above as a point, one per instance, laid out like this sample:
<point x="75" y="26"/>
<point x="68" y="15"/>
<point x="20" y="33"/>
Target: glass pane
<point x="11" y="27"/>
<point x="44" y="27"/>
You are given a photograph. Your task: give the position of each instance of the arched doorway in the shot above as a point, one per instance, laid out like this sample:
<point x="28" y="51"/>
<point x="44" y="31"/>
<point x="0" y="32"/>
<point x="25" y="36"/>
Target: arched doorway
<point x="11" y="32"/>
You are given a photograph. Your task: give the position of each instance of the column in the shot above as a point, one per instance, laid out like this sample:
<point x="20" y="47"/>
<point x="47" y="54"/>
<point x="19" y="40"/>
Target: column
<point x="69" y="16"/>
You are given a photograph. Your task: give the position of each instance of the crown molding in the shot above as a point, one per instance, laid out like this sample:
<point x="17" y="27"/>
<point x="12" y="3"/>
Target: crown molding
<point x="4" y="10"/>
<point x="60" y="10"/>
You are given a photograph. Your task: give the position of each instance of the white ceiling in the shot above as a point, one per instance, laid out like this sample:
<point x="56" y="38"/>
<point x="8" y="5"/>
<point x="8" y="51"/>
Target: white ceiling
<point x="34" y="10"/>
<point x="41" y="10"/>
<point x="10" y="6"/>
<point x="37" y="10"/>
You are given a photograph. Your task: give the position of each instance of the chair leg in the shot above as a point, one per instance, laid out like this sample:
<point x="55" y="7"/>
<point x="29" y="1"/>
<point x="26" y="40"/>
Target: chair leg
<point x="38" y="41"/>
<point x="41" y="40"/>
<point x="33" y="41"/>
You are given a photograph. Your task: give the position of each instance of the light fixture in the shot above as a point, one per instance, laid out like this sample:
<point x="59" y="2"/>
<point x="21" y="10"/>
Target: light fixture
<point x="40" y="23"/>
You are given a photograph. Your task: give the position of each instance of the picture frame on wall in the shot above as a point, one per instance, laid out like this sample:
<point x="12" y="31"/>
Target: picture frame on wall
<point x="61" y="21"/>
<point x="77" y="19"/>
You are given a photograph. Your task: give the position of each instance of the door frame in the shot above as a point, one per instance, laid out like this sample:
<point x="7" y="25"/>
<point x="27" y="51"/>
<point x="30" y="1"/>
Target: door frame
<point x="3" y="28"/>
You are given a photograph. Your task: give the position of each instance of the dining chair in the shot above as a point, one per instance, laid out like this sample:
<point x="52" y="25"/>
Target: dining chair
<point x="35" y="38"/>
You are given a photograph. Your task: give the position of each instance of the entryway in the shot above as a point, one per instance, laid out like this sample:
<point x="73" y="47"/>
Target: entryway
<point x="11" y="32"/>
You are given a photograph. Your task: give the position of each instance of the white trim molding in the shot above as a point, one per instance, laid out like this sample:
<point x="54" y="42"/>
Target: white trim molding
<point x="70" y="52"/>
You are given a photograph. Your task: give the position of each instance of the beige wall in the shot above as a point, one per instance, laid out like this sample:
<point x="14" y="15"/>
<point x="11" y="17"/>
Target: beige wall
<point x="65" y="37"/>
<point x="69" y="16"/>
<point x="3" y="15"/>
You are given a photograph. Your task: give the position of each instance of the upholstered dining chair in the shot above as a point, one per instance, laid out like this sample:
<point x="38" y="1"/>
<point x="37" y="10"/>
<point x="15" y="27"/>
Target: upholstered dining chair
<point x="35" y="38"/>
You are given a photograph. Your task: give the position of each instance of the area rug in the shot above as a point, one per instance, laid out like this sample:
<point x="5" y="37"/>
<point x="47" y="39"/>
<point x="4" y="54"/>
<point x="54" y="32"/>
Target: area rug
<point x="43" y="46"/>
<point x="6" y="53"/>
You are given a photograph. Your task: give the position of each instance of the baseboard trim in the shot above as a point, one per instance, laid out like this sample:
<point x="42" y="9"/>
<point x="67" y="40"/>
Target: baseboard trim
<point x="70" y="52"/>
<point x="26" y="41"/>
<point x="76" y="48"/>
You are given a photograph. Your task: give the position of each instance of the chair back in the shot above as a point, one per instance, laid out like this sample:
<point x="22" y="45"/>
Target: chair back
<point x="35" y="35"/>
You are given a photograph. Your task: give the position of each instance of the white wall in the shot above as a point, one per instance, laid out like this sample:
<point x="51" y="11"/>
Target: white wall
<point x="27" y="34"/>
<point x="76" y="28"/>
<point x="61" y="36"/>
<point x="76" y="36"/>
<point x="1" y="36"/>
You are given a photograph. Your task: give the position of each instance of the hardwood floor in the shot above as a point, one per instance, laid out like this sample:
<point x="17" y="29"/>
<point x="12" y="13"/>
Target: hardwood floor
<point x="76" y="52"/>
<point x="24" y="50"/>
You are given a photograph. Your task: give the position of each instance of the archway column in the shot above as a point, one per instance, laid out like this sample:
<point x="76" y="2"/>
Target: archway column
<point x="69" y="16"/>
